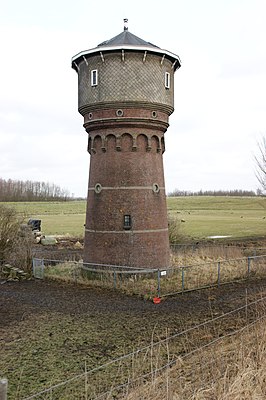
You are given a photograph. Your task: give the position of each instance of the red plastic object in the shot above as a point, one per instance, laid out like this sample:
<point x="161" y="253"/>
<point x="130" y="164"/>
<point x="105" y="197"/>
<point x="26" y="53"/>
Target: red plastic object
<point x="157" y="300"/>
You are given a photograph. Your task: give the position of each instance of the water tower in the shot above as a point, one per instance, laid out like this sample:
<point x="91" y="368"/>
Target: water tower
<point x="126" y="95"/>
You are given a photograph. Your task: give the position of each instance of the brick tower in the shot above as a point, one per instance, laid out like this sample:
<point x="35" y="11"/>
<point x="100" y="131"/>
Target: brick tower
<point x="126" y="95"/>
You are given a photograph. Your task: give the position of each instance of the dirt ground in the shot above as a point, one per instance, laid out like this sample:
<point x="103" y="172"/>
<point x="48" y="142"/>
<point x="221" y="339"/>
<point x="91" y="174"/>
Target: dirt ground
<point x="18" y="300"/>
<point x="49" y="329"/>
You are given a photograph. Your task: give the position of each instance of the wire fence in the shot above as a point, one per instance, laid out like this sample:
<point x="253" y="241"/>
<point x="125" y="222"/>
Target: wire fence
<point x="114" y="379"/>
<point x="153" y="283"/>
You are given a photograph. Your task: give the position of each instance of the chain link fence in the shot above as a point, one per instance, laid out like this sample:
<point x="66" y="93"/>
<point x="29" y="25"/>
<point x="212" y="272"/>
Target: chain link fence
<point x="152" y="283"/>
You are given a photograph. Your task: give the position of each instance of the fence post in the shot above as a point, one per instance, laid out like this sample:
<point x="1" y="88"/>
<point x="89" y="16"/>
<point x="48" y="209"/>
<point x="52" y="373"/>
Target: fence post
<point x="159" y="283"/>
<point x="42" y="269"/>
<point x="115" y="279"/>
<point x="33" y="266"/>
<point x="218" y="273"/>
<point x="3" y="389"/>
<point x="183" y="279"/>
<point x="249" y="263"/>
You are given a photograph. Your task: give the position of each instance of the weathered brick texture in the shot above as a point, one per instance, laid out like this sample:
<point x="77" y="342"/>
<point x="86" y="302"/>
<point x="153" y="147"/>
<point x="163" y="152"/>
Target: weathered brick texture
<point x="126" y="115"/>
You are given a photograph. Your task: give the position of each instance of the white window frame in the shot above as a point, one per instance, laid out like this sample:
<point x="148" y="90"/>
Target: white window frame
<point x="167" y="80"/>
<point x="94" y="77"/>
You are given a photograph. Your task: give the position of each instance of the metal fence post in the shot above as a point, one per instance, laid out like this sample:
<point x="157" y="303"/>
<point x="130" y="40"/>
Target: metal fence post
<point x="218" y="272"/>
<point x="115" y="279"/>
<point x="42" y="268"/>
<point x="249" y="263"/>
<point x="159" y="283"/>
<point x="33" y="266"/>
<point x="183" y="279"/>
<point x="3" y="389"/>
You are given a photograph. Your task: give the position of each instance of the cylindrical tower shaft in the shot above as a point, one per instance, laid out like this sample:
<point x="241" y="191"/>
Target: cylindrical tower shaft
<point x="126" y="97"/>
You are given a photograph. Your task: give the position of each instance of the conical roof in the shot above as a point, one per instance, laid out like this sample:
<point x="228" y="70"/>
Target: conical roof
<point x="123" y="42"/>
<point x="126" y="38"/>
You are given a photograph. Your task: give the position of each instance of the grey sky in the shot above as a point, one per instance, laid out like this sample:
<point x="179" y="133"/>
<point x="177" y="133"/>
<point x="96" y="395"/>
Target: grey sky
<point x="220" y="107"/>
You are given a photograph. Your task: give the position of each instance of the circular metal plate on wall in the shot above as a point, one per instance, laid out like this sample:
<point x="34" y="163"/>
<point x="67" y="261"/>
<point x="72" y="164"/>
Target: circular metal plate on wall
<point x="155" y="188"/>
<point x="98" y="188"/>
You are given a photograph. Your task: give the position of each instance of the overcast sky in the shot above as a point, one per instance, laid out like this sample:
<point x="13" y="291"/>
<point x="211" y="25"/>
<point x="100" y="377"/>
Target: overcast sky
<point x="220" y="89"/>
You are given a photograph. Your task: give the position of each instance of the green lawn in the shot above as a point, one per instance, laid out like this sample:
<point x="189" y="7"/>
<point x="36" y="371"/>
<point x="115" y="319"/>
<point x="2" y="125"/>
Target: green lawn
<point x="219" y="216"/>
<point x="58" y="218"/>
<point x="49" y="208"/>
<point x="203" y="216"/>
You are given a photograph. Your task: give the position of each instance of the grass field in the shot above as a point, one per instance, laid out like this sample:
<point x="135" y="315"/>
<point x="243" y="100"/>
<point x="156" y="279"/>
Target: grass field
<point x="202" y="216"/>
<point x="58" y="218"/>
<point x="220" y="216"/>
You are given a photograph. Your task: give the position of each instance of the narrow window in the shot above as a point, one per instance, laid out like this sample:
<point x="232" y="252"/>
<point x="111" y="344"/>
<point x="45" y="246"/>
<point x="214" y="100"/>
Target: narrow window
<point x="127" y="222"/>
<point x="94" y="77"/>
<point x="167" y="80"/>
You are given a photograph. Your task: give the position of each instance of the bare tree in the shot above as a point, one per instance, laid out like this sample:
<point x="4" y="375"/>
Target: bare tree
<point x="261" y="164"/>
<point x="16" y="190"/>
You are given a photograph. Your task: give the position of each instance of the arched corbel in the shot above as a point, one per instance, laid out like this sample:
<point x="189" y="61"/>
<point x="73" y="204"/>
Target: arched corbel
<point x="118" y="143"/>
<point x="103" y="147"/>
<point x="134" y="143"/>
<point x="149" y="144"/>
<point x="159" y="148"/>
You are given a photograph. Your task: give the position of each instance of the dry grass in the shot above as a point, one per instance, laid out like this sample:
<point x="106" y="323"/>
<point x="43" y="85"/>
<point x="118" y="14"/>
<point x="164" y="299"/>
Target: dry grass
<point x="221" y="359"/>
<point x="231" y="369"/>
<point x="204" y="268"/>
<point x="201" y="254"/>
<point x="144" y="284"/>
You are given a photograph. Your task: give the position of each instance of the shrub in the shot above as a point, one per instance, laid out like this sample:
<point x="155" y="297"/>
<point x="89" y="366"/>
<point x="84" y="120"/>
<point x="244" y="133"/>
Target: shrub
<point x="174" y="229"/>
<point x="15" y="239"/>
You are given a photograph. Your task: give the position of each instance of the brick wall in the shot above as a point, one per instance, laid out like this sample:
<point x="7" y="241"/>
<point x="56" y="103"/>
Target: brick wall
<point x="126" y="116"/>
<point x="127" y="177"/>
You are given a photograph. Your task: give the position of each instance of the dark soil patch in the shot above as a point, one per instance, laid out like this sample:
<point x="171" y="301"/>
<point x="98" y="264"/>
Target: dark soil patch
<point x="64" y="249"/>
<point x="35" y="296"/>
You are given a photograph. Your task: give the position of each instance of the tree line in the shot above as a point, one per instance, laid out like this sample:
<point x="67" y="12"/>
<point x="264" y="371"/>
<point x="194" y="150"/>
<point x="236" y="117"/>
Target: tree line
<point x="17" y="190"/>
<point x="236" y="192"/>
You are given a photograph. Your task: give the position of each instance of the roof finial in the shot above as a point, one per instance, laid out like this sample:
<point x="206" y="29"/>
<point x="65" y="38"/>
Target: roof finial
<point x="125" y="24"/>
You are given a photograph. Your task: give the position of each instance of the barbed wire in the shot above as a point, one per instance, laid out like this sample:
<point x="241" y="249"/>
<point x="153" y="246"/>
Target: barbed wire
<point x="142" y="349"/>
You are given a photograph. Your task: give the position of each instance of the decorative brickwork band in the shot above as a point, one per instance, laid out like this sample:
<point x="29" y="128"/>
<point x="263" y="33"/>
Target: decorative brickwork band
<point x="153" y="188"/>
<point x="129" y="231"/>
<point x="102" y="141"/>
